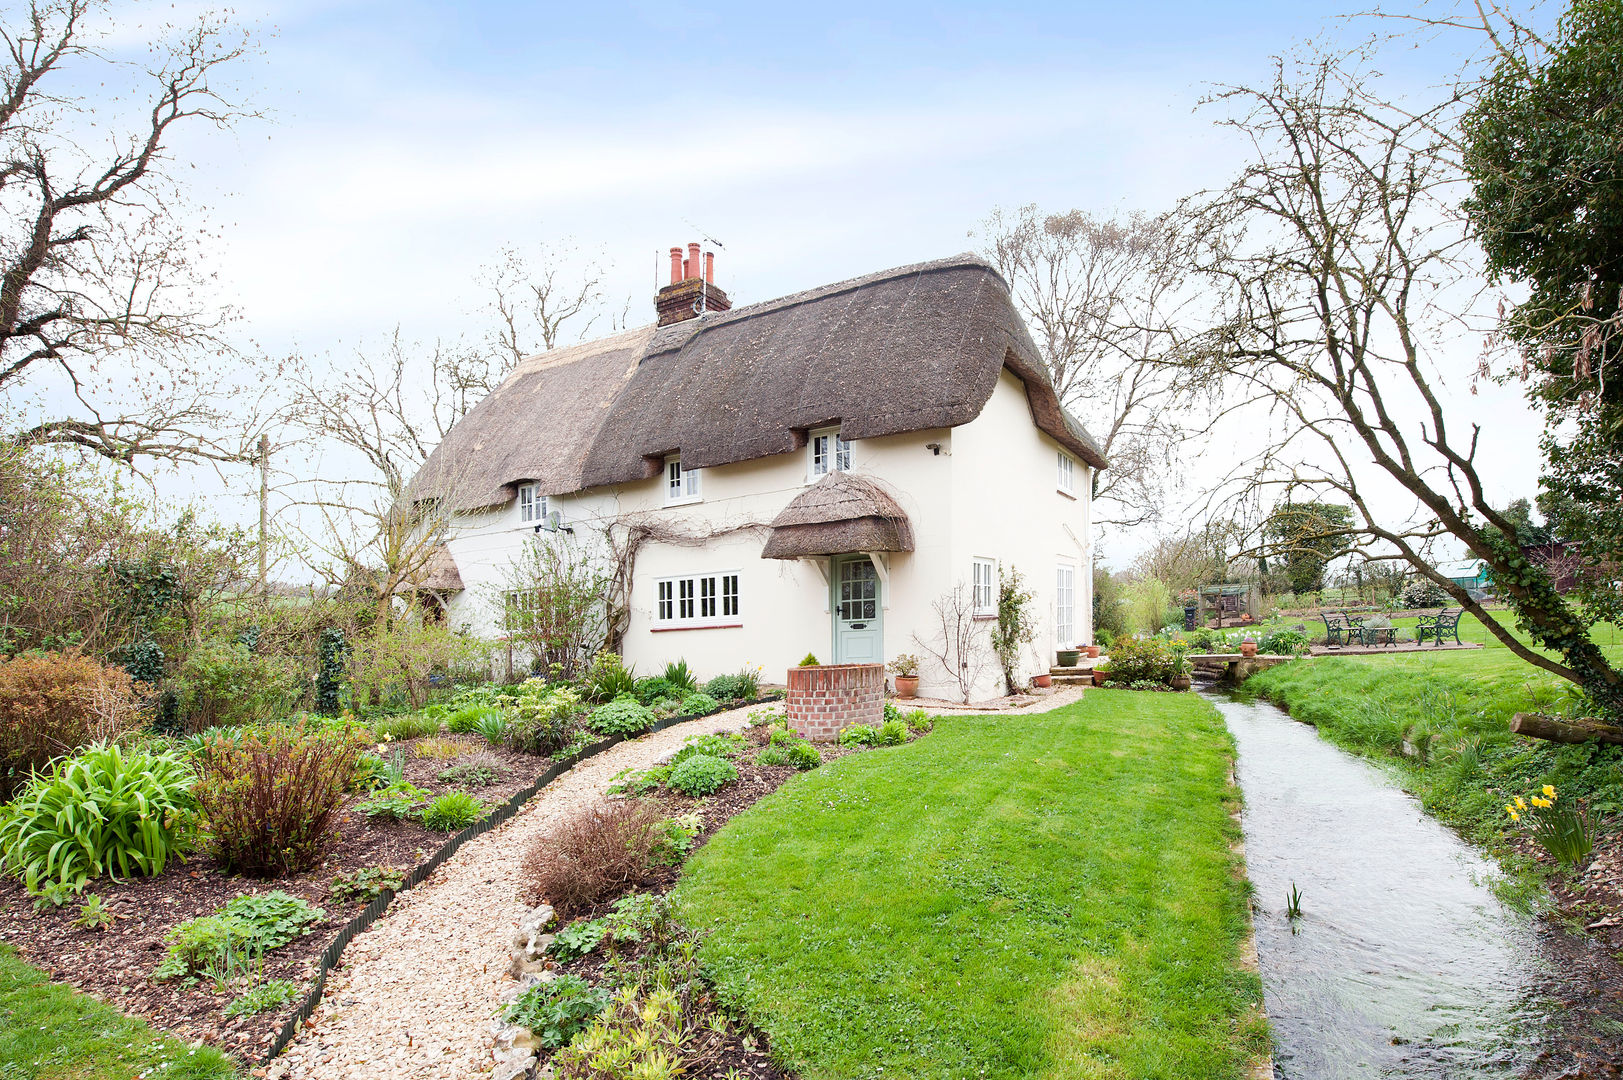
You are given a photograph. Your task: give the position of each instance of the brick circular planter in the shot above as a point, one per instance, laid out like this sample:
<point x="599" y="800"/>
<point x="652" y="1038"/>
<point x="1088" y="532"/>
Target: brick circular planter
<point x="826" y="699"/>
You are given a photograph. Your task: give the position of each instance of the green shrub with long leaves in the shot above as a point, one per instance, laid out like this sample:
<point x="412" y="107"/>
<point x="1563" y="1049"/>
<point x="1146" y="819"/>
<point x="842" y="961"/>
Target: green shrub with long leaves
<point x="103" y="811"/>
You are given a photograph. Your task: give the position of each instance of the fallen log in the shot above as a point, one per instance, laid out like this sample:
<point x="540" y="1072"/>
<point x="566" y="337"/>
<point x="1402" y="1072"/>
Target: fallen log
<point x="1539" y="726"/>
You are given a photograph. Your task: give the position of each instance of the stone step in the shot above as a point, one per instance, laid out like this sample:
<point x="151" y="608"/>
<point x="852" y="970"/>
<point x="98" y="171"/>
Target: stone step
<point x="1073" y="680"/>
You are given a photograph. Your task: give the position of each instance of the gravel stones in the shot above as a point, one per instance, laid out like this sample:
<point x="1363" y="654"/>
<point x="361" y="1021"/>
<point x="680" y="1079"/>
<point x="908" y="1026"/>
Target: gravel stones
<point x="414" y="995"/>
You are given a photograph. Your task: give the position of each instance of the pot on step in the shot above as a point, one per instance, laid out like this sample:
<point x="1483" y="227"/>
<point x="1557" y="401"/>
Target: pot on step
<point x="1093" y="652"/>
<point x="1180" y="682"/>
<point x="1043" y="681"/>
<point x="1068" y="657"/>
<point x="907" y="686"/>
<point x="1248" y="648"/>
<point x="1099" y="677"/>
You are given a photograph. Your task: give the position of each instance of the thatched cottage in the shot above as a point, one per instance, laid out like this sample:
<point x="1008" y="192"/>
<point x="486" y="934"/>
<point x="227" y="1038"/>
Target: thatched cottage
<point x="812" y="474"/>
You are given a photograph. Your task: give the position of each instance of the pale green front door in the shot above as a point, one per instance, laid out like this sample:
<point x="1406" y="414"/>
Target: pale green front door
<point x="858" y="609"/>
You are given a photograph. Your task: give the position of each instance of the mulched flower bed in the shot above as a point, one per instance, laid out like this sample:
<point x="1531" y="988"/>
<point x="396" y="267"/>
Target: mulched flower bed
<point x="115" y="964"/>
<point x="746" y="1052"/>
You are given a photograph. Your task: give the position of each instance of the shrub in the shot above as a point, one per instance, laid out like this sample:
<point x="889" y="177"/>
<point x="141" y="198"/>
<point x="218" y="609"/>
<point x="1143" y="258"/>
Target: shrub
<point x="408" y="726"/>
<point x="477" y="770"/>
<point x="268" y="995"/>
<point x="1423" y="593"/>
<point x="725" y="687"/>
<point x="1288" y="642"/>
<point x="557" y="1011"/>
<point x="366" y="884"/>
<point x="102" y="812"/>
<point x="859" y="735"/>
<point x="53" y="704"/>
<point x="892" y="733"/>
<point x="651" y="689"/>
<point x="641" y="1032"/>
<point x="397" y="802"/>
<point x="493" y="726"/>
<point x="466" y="719"/>
<point x="809" y="660"/>
<point x="546" y="725"/>
<point x="794" y="752"/>
<point x="622" y="716"/>
<point x="699" y="705"/>
<point x="452" y="811"/>
<point x="702" y="774"/>
<point x="673" y="839"/>
<point x="1135" y="659"/>
<point x="269" y="797"/>
<point x="918" y="720"/>
<point x="607" y="678"/>
<point x="680" y="678"/>
<point x="714" y="745"/>
<point x="596" y="853"/>
<point x="222" y="684"/>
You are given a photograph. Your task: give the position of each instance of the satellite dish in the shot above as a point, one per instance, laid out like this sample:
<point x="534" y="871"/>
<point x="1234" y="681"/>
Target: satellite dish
<point x="553" y="521"/>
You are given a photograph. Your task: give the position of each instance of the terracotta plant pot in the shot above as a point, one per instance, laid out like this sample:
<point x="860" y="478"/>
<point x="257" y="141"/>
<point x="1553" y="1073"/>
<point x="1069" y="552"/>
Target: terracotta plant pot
<point x="1099" y="677"/>
<point x="1068" y="657"/>
<point x="1044" y="681"/>
<point x="1180" y="682"/>
<point x="1248" y="648"/>
<point x="907" y="686"/>
<point x="1093" y="652"/>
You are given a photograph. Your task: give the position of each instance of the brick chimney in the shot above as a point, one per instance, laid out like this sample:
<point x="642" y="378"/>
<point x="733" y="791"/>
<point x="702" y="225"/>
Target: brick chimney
<point x="692" y="289"/>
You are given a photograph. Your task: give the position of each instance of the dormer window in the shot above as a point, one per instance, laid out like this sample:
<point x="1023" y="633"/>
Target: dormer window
<point x="829" y="452"/>
<point x="681" y="485"/>
<point x="532" y="505"/>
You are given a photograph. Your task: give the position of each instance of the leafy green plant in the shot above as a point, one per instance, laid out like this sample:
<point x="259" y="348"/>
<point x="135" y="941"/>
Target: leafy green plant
<point x="892" y="733"/>
<point x="263" y="997"/>
<point x="607" y="678"/>
<point x="702" y="774"/>
<point x="680" y="678"/>
<point x="270" y="796"/>
<point x="673" y="839"/>
<point x="479" y="770"/>
<point x="102" y="812"/>
<point x="797" y="753"/>
<point x="373" y="772"/>
<point x="724" y="687"/>
<point x="1133" y="659"/>
<point x="576" y="940"/>
<point x="809" y="660"/>
<point x="623" y="716"/>
<point x="919" y="721"/>
<point x="55" y="894"/>
<point x="1284" y="642"/>
<point x="466" y="719"/>
<point x="699" y="705"/>
<point x="405" y="727"/>
<point x="640" y="1033"/>
<point x="718" y="745"/>
<point x="366" y="884"/>
<point x="275" y="917"/>
<point x="93" y="913"/>
<point x="639" y="781"/>
<point x="221" y="683"/>
<point x="556" y="1011"/>
<point x="207" y="942"/>
<point x="1561" y="827"/>
<point x="452" y="811"/>
<point x="651" y="689"/>
<point x="904" y="664"/>
<point x="547" y="724"/>
<point x="859" y="735"/>
<point x="493" y="726"/>
<point x="1293" y="903"/>
<point x="397" y="802"/>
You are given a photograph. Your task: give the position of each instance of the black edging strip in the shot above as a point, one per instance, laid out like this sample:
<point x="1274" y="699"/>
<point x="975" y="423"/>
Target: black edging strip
<point x="374" y="911"/>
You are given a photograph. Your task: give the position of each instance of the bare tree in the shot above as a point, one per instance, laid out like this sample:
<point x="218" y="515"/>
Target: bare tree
<point x="94" y="261"/>
<point x="1343" y="270"/>
<point x="534" y="301"/>
<point x="1103" y="297"/>
<point x="961" y="646"/>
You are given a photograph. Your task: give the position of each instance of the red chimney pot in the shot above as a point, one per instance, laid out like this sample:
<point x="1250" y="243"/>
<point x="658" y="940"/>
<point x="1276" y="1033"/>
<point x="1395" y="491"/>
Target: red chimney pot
<point x="693" y="261"/>
<point x="710" y="267"/>
<point x="676" y="265"/>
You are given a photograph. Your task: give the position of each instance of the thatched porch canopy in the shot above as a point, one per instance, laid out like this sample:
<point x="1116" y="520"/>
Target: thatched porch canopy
<point x="438" y="574"/>
<point x="841" y="514"/>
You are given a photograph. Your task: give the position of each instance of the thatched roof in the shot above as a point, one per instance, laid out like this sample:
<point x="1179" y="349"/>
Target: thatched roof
<point x="438" y="574"/>
<point x="840" y="514"/>
<point x="904" y="350"/>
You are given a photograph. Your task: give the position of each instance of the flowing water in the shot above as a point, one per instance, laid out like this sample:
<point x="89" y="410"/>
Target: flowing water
<point x="1403" y="963"/>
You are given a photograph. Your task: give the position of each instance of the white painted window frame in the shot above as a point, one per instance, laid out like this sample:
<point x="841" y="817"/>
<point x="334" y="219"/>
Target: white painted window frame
<point x="699" y="599"/>
<point x="682" y="486"/>
<point x="834" y="455"/>
<point x="1066" y="482"/>
<point x="983" y="593"/>
<point x="532" y="506"/>
<point x="1064" y="621"/>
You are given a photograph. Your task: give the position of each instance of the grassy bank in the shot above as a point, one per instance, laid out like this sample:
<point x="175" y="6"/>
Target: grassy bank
<point x="1453" y="709"/>
<point x="1041" y="896"/>
<point x="49" y="1032"/>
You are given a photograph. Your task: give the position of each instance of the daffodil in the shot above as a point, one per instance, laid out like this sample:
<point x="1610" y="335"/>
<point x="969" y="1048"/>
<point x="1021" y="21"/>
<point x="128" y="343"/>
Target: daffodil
<point x="1540" y="803"/>
<point x="1549" y="792"/>
<point x="1519" y="804"/>
<point x="1511" y="810"/>
<point x="1515" y="816"/>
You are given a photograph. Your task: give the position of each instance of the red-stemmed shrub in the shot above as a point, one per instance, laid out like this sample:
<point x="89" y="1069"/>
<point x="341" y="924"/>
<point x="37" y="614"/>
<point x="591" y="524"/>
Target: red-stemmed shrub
<point x="592" y="856"/>
<point x="269" y="795"/>
<point x="55" y="703"/>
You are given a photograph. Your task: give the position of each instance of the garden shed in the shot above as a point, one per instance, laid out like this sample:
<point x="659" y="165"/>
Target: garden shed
<point x="1235" y="604"/>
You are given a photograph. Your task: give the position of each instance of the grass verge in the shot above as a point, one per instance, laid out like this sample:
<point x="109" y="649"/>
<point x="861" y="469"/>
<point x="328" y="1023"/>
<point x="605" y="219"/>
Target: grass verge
<point x="1453" y="711"/>
<point x="50" y="1032"/>
<point x="1042" y="896"/>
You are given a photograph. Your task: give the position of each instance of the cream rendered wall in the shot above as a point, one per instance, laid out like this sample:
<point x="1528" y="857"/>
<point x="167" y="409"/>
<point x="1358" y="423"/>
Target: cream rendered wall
<point x="991" y="492"/>
<point x="1007" y="506"/>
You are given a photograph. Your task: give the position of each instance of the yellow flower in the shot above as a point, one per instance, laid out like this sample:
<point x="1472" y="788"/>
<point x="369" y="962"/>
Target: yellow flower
<point x="1540" y="803"/>
<point x="1549" y="792"/>
<point x="1515" y="816"/>
<point x="1519" y="804"/>
<point x="1511" y="810"/>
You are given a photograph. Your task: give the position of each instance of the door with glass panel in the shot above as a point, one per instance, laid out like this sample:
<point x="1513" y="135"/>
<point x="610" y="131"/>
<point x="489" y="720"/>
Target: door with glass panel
<point x="858" y="611"/>
<point x="1065" y="607"/>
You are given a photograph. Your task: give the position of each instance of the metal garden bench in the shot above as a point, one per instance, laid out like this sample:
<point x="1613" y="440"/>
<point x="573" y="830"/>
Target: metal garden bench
<point x="1338" y="630"/>
<point x="1446" y="621"/>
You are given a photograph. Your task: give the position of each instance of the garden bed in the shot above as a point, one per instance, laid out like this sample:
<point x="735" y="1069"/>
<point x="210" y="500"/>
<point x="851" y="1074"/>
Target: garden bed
<point x="116" y="963"/>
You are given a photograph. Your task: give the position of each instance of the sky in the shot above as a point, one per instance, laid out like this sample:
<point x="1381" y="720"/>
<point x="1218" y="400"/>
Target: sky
<point x="404" y="145"/>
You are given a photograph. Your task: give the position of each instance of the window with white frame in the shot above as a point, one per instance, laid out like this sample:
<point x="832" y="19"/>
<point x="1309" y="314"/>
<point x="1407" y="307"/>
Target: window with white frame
<point x="1067" y="473"/>
<point x="984" y="585"/>
<point x="695" y="600"/>
<point x="532" y="505"/>
<point x="681" y="485"/>
<point x="1065" y="606"/>
<point x="829" y="452"/>
<point x="522" y="606"/>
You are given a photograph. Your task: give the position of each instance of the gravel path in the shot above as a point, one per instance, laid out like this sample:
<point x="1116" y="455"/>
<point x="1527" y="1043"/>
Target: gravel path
<point x="416" y="992"/>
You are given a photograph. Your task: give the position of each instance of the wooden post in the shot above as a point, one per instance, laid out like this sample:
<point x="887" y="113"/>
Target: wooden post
<point x="264" y="506"/>
<point x="1538" y="726"/>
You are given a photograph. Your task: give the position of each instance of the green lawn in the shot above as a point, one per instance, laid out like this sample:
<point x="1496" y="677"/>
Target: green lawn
<point x="1037" y="896"/>
<point x="49" y="1032"/>
<point x="1454" y="708"/>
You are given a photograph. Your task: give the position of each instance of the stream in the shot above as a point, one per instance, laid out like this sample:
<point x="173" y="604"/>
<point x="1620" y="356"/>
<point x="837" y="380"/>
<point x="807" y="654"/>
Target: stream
<point x="1402" y="963"/>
